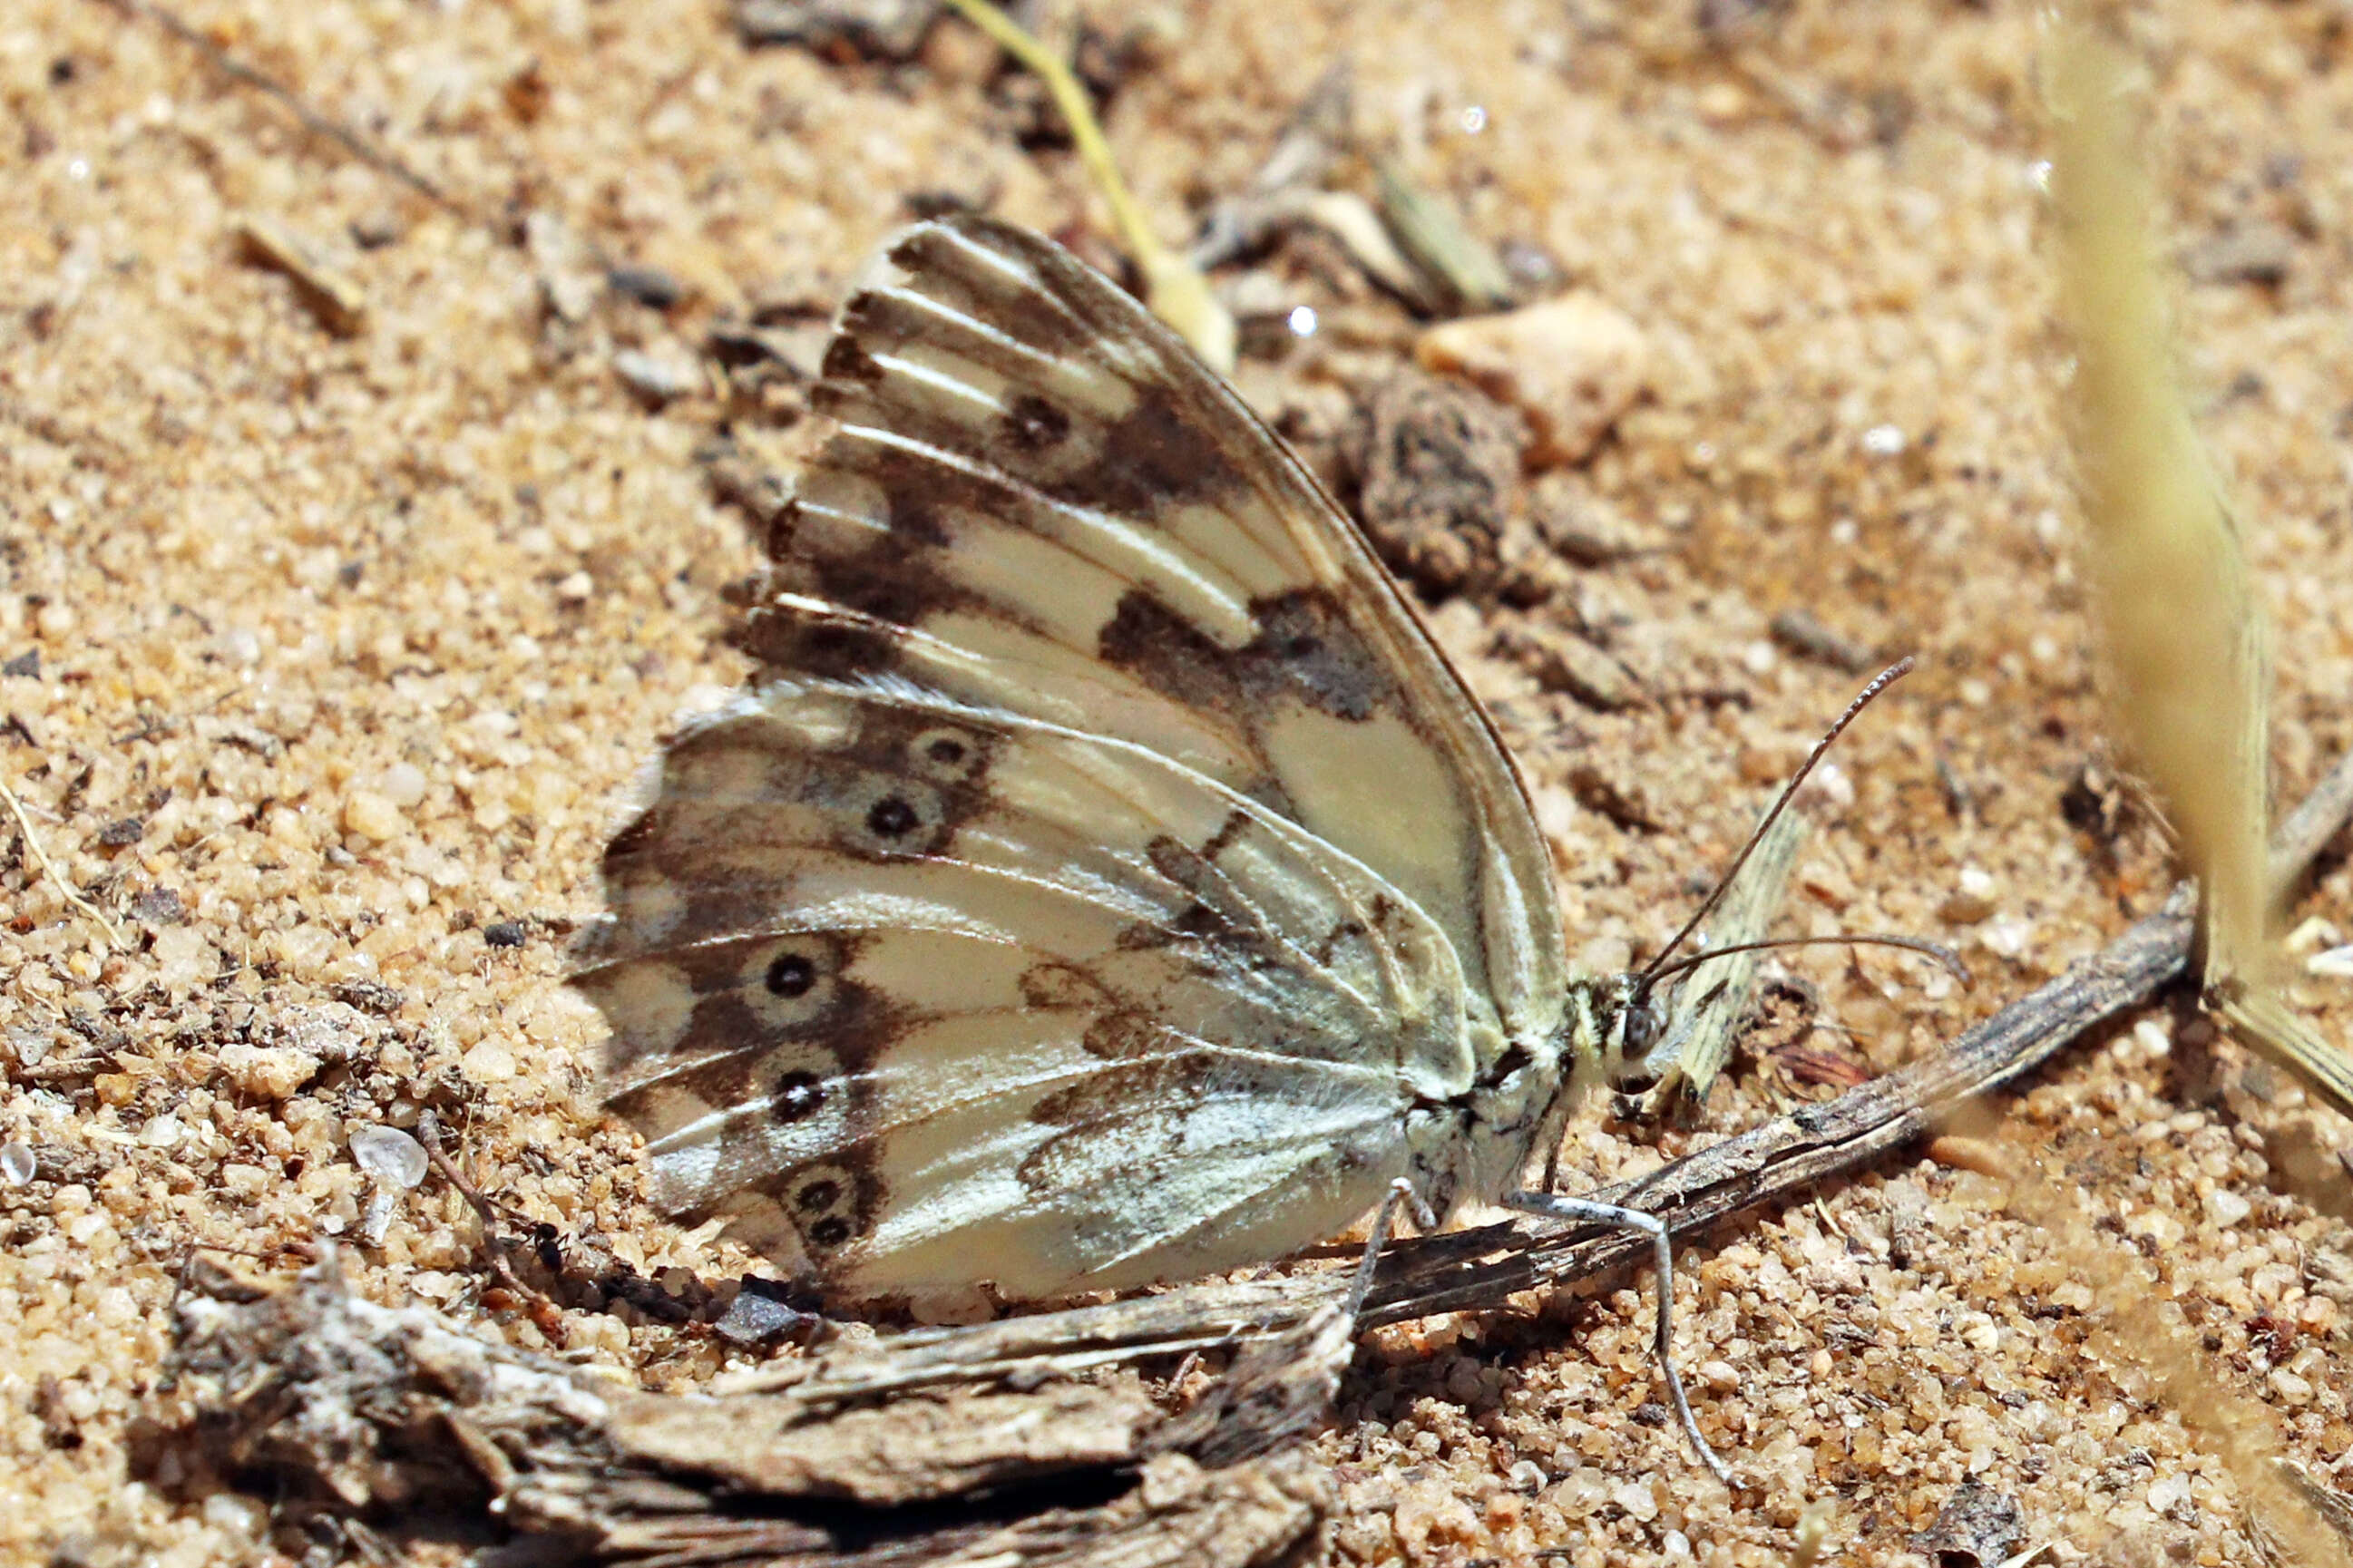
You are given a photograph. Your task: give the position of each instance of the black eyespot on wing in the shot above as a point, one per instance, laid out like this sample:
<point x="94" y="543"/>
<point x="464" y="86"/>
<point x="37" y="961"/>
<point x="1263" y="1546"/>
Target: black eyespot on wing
<point x="1032" y="424"/>
<point x="886" y="814"/>
<point x="798" y="1096"/>
<point x="829" y="1203"/>
<point x="891" y="817"/>
<point x="792" y="988"/>
<point x="790" y="975"/>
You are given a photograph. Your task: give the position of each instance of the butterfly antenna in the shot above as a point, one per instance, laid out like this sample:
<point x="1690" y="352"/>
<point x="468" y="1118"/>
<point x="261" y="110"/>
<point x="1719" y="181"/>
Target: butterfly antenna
<point x="1652" y="973"/>
<point x="1935" y="950"/>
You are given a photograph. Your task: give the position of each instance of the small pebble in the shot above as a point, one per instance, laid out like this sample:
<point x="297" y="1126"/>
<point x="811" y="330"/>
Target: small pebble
<point x="1831" y="784"/>
<point x="1563" y="661"/>
<point x="1963" y="908"/>
<point x="1637" y="1498"/>
<point x="268" y="1072"/>
<point x="235" y="1514"/>
<point x="657" y="379"/>
<point x="376" y="228"/>
<point x="371" y="816"/>
<point x="402" y="783"/>
<point x="646" y="285"/>
<point x="2225" y="1208"/>
<point x="1969" y="1154"/>
<point x="17" y="1164"/>
<point x="329" y="294"/>
<point x="490" y="1061"/>
<point x="2007" y="937"/>
<point x="388" y="1154"/>
<point x="1571" y="366"/>
<point x="1802" y="632"/>
<point x="761" y="1312"/>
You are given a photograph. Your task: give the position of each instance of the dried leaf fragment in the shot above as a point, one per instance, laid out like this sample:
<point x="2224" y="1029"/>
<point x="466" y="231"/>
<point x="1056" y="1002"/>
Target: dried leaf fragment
<point x="327" y="291"/>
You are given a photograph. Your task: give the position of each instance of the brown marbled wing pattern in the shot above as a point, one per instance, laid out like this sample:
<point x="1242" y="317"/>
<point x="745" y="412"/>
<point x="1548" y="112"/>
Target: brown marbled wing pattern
<point x="914" y="994"/>
<point x="1038" y="501"/>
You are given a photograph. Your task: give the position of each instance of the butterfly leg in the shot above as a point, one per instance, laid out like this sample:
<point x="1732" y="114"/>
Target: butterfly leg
<point x="1400" y="1192"/>
<point x="1555" y="1206"/>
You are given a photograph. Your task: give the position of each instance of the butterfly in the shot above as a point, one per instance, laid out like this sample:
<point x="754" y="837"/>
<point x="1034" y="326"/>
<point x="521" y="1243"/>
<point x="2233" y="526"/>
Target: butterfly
<point x="1105" y="879"/>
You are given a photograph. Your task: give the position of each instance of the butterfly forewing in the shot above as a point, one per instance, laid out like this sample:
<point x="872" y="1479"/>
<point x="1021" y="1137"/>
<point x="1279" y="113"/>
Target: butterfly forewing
<point x="1034" y="470"/>
<point x="1106" y="880"/>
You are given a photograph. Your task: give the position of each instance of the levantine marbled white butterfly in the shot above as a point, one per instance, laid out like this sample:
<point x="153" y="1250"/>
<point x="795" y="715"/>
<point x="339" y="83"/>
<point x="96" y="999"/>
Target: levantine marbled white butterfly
<point x="1106" y="880"/>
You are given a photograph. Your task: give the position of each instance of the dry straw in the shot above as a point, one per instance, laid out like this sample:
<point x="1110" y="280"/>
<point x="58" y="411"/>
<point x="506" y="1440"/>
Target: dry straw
<point x="2184" y="635"/>
<point x="2187" y="646"/>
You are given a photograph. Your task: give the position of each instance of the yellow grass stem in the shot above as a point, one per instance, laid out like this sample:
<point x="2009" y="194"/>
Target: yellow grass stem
<point x="1173" y="286"/>
<point x="2180" y="623"/>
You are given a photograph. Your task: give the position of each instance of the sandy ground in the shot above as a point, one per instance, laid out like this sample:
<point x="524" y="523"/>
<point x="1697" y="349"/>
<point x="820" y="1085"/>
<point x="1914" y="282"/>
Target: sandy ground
<point x="327" y="654"/>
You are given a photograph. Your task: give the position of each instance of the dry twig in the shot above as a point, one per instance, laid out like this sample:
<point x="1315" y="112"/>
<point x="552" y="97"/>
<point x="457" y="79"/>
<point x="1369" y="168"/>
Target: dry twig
<point x="320" y="1392"/>
<point x="314" y="120"/>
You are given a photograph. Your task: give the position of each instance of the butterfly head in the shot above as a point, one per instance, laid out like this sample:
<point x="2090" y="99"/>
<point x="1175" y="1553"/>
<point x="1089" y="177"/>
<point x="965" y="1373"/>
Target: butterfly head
<point x="1632" y="1014"/>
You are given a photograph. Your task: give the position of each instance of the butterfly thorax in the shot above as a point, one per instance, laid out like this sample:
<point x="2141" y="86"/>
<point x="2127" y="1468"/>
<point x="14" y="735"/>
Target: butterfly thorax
<point x="1519" y="1107"/>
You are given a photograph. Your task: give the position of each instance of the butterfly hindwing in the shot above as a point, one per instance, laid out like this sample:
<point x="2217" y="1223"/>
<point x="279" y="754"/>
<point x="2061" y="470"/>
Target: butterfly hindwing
<point x="882" y="973"/>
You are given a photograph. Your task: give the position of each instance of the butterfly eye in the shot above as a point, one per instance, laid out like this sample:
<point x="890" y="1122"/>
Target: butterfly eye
<point x="948" y="756"/>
